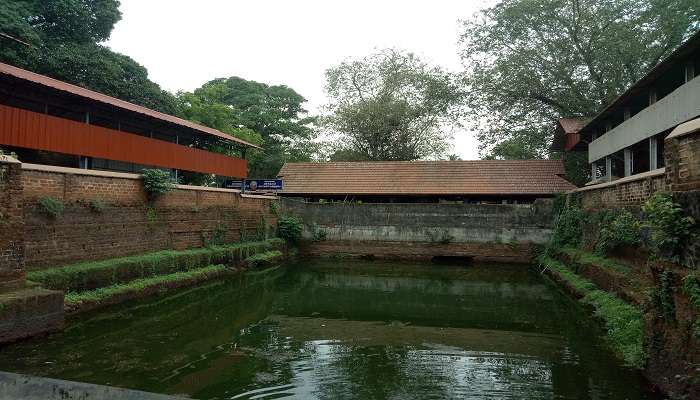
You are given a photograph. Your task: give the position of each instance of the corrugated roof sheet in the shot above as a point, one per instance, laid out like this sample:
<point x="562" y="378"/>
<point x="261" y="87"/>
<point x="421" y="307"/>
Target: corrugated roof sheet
<point x="479" y="177"/>
<point x="6" y="69"/>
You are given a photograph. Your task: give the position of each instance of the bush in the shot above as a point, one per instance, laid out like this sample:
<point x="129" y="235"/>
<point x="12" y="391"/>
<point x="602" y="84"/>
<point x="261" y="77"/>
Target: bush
<point x="567" y="230"/>
<point x="97" y="205"/>
<point x="618" y="229"/>
<point x="289" y="229"/>
<point x="156" y="182"/>
<point x="51" y="207"/>
<point x="669" y="230"/>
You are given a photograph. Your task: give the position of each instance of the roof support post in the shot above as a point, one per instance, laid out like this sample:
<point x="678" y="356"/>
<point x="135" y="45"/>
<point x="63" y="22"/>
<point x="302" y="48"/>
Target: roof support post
<point x="653" y="153"/>
<point x="629" y="167"/>
<point x="594" y="171"/>
<point x="608" y="168"/>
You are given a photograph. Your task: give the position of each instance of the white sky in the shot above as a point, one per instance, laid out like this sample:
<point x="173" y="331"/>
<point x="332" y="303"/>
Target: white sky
<point x="185" y="44"/>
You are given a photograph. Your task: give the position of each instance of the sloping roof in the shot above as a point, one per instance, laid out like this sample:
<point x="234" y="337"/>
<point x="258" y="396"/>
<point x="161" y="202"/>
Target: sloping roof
<point x="42" y="80"/>
<point x="479" y="177"/>
<point x="572" y="125"/>
<point x="685" y="49"/>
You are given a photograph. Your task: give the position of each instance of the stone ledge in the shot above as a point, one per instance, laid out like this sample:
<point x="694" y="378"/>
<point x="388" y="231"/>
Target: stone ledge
<point x="30" y="311"/>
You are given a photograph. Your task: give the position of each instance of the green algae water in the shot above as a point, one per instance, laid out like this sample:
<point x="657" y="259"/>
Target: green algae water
<point x="344" y="330"/>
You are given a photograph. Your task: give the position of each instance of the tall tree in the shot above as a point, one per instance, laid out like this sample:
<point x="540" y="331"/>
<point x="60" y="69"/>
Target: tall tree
<point x="272" y="116"/>
<point x="390" y="106"/>
<point x="530" y="62"/>
<point x="61" y="39"/>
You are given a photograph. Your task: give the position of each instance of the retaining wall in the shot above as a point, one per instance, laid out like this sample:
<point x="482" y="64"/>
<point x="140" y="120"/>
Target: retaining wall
<point x="494" y="232"/>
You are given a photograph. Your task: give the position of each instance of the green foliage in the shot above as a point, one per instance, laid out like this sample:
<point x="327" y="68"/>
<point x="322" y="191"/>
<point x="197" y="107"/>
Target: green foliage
<point x="618" y="228"/>
<point x="51" y="207"/>
<point x="691" y="288"/>
<point x="261" y="228"/>
<point x="530" y="62"/>
<point x="585" y="257"/>
<point x="156" y="182"/>
<point x="103" y="294"/>
<point x="669" y="230"/>
<point x="665" y="296"/>
<point x="151" y="215"/>
<point x="567" y="229"/>
<point x="289" y="229"/>
<point x="559" y="203"/>
<point x="218" y="235"/>
<point x="391" y="106"/>
<point x="263" y="259"/>
<point x="623" y="321"/>
<point x="92" y="274"/>
<point x="275" y="208"/>
<point x="272" y="116"/>
<point x="61" y="39"/>
<point x="97" y="205"/>
<point x="318" y="234"/>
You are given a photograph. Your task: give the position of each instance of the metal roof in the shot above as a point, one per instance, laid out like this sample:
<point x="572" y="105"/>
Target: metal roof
<point x="480" y="177"/>
<point x="6" y="69"/>
<point x="689" y="46"/>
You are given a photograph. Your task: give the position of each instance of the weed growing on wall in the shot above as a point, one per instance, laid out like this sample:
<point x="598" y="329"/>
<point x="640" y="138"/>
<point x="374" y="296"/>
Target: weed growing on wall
<point x="275" y="208"/>
<point x="151" y="215"/>
<point x="567" y="230"/>
<point x="218" y="235"/>
<point x="691" y="288"/>
<point x="156" y="182"/>
<point x="619" y="228"/>
<point x="51" y="207"/>
<point x="289" y="229"/>
<point x="97" y="205"/>
<point x="669" y="229"/>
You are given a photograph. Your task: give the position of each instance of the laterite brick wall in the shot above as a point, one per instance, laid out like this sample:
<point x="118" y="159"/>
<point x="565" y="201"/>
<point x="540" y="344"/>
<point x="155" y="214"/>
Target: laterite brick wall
<point x="183" y="218"/>
<point x="626" y="192"/>
<point x="11" y="224"/>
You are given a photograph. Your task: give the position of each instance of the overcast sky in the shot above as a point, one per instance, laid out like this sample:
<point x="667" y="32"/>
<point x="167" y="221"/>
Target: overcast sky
<point x="185" y="44"/>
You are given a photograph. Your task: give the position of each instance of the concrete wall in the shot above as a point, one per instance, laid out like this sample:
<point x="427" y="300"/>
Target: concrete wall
<point x="677" y="107"/>
<point x="498" y="232"/>
<point x="183" y="218"/>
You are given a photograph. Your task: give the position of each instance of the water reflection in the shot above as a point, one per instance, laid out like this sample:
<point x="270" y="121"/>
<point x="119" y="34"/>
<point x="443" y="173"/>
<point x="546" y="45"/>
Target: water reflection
<point x="329" y="330"/>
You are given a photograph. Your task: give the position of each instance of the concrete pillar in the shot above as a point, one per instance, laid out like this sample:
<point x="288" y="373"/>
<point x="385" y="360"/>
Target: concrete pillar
<point x="608" y="168"/>
<point x="629" y="167"/>
<point x="594" y="171"/>
<point x="653" y="153"/>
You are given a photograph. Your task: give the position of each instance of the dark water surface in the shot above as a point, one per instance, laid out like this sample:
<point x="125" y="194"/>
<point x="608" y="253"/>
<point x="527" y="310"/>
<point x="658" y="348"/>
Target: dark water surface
<point x="344" y="330"/>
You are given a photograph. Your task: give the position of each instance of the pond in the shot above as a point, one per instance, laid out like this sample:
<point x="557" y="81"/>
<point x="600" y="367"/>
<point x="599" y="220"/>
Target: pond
<point x="340" y="329"/>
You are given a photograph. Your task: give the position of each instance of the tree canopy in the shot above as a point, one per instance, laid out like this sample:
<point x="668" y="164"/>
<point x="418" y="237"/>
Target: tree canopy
<point x="530" y="62"/>
<point x="272" y="116"/>
<point x="61" y="39"/>
<point x="390" y="106"/>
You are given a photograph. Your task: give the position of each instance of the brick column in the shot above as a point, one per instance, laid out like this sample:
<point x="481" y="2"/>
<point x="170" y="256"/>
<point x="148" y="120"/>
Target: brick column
<point x="12" y="272"/>
<point x="682" y="156"/>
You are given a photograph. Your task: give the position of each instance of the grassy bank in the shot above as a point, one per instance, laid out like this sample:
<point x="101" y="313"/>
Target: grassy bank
<point x="117" y="293"/>
<point x="623" y="322"/>
<point x="97" y="274"/>
<point x="267" y="258"/>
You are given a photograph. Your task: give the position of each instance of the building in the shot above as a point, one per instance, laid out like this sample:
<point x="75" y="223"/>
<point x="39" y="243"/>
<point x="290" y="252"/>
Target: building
<point x="482" y="181"/>
<point x="627" y="137"/>
<point x="46" y="121"/>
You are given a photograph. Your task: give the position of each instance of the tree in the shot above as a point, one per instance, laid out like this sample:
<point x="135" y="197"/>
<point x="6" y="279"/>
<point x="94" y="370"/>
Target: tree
<point x="530" y="62"/>
<point x="60" y="38"/>
<point x="390" y="106"/>
<point x="272" y="116"/>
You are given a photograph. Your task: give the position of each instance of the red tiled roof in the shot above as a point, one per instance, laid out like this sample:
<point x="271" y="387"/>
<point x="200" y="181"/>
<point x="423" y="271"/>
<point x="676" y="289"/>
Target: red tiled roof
<point x="6" y="69"/>
<point x="483" y="177"/>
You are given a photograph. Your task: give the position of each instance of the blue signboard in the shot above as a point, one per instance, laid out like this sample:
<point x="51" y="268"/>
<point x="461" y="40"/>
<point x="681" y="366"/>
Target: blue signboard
<point x="256" y="184"/>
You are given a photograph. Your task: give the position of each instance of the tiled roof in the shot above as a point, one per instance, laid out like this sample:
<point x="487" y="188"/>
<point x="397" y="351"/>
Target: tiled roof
<point x="482" y="177"/>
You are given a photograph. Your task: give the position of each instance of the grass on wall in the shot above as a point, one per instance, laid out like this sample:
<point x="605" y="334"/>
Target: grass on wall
<point x="260" y="259"/>
<point x="587" y="257"/>
<point x="93" y="274"/>
<point x="99" y="295"/>
<point x="623" y="322"/>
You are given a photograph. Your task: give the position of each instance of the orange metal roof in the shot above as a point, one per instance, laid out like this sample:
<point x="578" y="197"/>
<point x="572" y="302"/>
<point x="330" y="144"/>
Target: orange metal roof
<point x="482" y="177"/>
<point x="6" y="69"/>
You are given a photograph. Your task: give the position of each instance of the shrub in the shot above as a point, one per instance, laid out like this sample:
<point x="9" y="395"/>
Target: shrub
<point x="618" y="229"/>
<point x="319" y="235"/>
<point x="567" y="230"/>
<point x="51" y="206"/>
<point x="275" y="208"/>
<point x="156" y="182"/>
<point x="97" y="205"/>
<point x="218" y="235"/>
<point x="668" y="228"/>
<point x="289" y="229"/>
